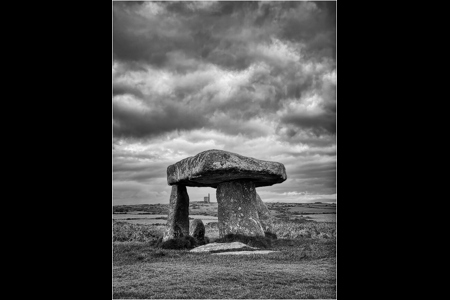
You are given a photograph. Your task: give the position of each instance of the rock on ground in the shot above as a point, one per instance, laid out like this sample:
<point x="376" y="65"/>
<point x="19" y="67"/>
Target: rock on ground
<point x="220" y="247"/>
<point x="197" y="230"/>
<point x="212" y="167"/>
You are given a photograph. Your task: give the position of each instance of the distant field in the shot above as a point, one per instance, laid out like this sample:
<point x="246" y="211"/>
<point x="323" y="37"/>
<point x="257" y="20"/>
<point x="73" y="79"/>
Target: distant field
<point x="313" y="210"/>
<point x="146" y="213"/>
<point x="137" y="218"/>
<point x="317" y="212"/>
<point x="321" y="217"/>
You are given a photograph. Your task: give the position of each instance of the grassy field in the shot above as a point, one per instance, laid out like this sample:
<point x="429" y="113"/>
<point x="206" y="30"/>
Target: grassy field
<point x="303" y="268"/>
<point x="299" y="271"/>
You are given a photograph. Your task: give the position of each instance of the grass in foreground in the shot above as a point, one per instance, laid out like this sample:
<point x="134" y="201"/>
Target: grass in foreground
<point x="304" y="267"/>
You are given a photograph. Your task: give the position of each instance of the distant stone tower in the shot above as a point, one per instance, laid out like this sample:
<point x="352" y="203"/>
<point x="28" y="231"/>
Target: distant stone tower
<point x="206" y="199"/>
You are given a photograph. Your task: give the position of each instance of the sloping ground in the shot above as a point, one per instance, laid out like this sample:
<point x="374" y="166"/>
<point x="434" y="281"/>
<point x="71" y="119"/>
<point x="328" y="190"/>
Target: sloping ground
<point x="227" y="277"/>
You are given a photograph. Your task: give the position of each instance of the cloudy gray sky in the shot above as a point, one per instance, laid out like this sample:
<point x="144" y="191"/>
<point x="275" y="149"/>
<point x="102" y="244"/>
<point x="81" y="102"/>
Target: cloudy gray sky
<point x="253" y="78"/>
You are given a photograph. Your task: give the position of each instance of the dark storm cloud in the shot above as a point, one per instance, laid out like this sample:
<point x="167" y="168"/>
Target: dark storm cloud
<point x="316" y="29"/>
<point x="315" y="170"/>
<point x="299" y="134"/>
<point x="140" y="39"/>
<point x="319" y="124"/>
<point x="128" y="168"/>
<point x="130" y="123"/>
<point x="123" y="89"/>
<point x="187" y="36"/>
<point x="221" y="32"/>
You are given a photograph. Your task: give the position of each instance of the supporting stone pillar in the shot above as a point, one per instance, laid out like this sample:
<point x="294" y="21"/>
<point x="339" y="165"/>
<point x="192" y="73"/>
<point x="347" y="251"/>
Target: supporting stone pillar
<point x="264" y="214"/>
<point x="236" y="209"/>
<point x="178" y="218"/>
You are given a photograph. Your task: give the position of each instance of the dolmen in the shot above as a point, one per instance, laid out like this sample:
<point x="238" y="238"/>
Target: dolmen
<point x="235" y="178"/>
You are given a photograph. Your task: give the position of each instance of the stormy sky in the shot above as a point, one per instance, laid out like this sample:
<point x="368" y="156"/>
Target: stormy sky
<point x="253" y="78"/>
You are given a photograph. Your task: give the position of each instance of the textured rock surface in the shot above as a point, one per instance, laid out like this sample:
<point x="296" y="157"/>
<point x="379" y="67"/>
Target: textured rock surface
<point x="265" y="218"/>
<point x="197" y="229"/>
<point x="212" y="167"/>
<point x="245" y="252"/>
<point x="236" y="209"/>
<point x="218" y="247"/>
<point x="178" y="218"/>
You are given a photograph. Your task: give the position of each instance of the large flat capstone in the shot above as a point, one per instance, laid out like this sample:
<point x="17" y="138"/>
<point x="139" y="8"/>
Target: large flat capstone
<point x="212" y="167"/>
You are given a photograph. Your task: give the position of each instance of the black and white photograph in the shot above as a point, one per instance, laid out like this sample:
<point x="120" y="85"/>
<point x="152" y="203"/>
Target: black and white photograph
<point x="224" y="150"/>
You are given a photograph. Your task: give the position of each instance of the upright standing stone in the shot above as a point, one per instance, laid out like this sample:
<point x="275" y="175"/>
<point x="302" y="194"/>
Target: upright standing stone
<point x="236" y="209"/>
<point x="264" y="214"/>
<point x="178" y="218"/>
